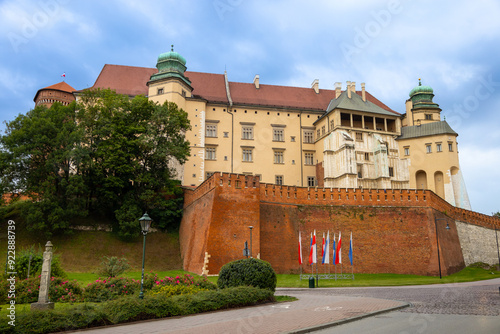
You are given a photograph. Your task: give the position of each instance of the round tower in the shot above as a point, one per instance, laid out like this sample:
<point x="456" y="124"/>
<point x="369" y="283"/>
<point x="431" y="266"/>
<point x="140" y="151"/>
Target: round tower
<point x="420" y="107"/>
<point x="60" y="92"/>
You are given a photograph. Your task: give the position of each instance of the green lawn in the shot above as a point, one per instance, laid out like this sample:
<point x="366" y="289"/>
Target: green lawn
<point x="360" y="280"/>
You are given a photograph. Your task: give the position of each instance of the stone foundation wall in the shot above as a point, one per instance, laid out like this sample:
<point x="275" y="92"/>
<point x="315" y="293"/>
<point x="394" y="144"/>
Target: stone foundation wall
<point x="479" y="244"/>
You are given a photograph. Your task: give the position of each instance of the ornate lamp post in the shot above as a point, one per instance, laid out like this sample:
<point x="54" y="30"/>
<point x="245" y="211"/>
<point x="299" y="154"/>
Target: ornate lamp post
<point x="437" y="241"/>
<point x="145" y="222"/>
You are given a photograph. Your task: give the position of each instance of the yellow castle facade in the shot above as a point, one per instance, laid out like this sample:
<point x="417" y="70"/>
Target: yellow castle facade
<point x="307" y="137"/>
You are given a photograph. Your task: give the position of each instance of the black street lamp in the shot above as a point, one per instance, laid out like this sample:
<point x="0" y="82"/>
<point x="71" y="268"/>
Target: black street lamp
<point x="145" y="222"/>
<point x="437" y="242"/>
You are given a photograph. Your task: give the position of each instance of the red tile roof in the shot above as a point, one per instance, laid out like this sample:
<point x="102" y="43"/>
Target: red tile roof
<point x="133" y="80"/>
<point x="61" y="86"/>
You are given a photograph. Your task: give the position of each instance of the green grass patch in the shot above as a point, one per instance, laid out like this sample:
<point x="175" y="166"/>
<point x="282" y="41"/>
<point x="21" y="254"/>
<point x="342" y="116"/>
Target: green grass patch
<point x="361" y="280"/>
<point x="283" y="299"/>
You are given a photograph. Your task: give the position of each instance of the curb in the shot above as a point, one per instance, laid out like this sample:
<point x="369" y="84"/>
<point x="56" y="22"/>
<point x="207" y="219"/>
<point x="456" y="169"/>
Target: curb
<point x="347" y="320"/>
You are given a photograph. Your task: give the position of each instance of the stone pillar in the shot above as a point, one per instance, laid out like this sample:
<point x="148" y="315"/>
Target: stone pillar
<point x="43" y="296"/>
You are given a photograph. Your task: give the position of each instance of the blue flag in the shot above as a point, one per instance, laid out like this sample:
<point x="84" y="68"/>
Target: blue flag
<point x="334" y="253"/>
<point x="350" y="250"/>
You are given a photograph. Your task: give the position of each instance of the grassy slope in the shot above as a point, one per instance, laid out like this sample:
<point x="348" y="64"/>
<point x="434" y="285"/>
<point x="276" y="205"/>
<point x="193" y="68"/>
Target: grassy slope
<point x="82" y="250"/>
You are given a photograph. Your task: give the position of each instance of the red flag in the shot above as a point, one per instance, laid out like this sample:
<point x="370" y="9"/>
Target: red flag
<point x="314" y="248"/>
<point x="338" y="259"/>
<point x="311" y="251"/>
<point x="63" y="75"/>
<point x="300" y="250"/>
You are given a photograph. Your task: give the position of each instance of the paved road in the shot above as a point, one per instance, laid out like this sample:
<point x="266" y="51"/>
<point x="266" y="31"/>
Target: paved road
<point x="432" y="309"/>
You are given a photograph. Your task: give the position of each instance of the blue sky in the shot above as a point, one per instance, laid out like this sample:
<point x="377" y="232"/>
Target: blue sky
<point x="452" y="45"/>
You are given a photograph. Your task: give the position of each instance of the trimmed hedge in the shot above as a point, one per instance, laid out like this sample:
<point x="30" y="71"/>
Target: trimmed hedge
<point x="128" y="309"/>
<point x="247" y="272"/>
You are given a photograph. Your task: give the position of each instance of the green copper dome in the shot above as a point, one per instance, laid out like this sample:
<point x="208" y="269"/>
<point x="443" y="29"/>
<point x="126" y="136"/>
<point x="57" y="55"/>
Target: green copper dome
<point x="421" y="89"/>
<point x="422" y="96"/>
<point x="170" y="65"/>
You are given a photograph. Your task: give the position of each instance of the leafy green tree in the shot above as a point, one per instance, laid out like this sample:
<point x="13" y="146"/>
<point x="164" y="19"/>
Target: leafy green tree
<point x="130" y="146"/>
<point x="39" y="156"/>
<point x="496" y="214"/>
<point x="108" y="155"/>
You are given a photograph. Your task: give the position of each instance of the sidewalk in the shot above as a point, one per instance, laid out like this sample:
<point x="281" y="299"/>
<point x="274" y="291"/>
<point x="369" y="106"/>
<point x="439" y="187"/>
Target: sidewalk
<point x="307" y="313"/>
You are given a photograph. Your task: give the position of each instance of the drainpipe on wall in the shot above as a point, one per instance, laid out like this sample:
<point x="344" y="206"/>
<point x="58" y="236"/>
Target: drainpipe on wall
<point x="229" y="107"/>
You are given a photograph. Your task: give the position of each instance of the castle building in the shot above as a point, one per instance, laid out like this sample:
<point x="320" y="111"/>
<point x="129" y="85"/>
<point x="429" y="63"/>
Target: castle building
<point x="306" y="137"/>
<point x="60" y="92"/>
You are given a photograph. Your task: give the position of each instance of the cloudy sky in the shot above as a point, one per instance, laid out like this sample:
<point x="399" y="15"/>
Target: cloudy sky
<point x="454" y="46"/>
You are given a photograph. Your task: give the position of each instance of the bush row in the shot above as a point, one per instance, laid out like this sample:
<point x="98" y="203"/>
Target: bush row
<point x="62" y="290"/>
<point x="128" y="309"/>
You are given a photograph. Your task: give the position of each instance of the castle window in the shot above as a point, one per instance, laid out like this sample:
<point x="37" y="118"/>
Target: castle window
<point x="359" y="136"/>
<point x="308" y="137"/>
<point x="323" y="130"/>
<point x="160" y="91"/>
<point x="428" y="116"/>
<point x="247" y="132"/>
<point x="428" y="148"/>
<point x="407" y="150"/>
<point x="450" y="146"/>
<point x="439" y="147"/>
<point x="278" y="135"/>
<point x="279" y="180"/>
<point x="311" y="181"/>
<point x="292" y="138"/>
<point x="208" y="174"/>
<point x="247" y="155"/>
<point x="331" y="125"/>
<point x="367" y="156"/>
<point x="309" y="158"/>
<point x="318" y="133"/>
<point x="360" y="171"/>
<point x="279" y="157"/>
<point x="211" y="130"/>
<point x="391" y="171"/>
<point x="226" y="134"/>
<point x="210" y="153"/>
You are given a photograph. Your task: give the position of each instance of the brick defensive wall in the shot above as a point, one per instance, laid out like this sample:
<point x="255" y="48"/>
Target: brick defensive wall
<point x="394" y="231"/>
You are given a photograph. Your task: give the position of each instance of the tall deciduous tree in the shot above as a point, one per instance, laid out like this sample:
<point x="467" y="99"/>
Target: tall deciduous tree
<point x="109" y="154"/>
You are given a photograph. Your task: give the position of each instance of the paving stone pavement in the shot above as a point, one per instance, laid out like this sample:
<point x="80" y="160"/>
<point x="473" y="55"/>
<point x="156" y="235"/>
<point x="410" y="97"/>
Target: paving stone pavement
<point x="293" y="317"/>
<point x="324" y="307"/>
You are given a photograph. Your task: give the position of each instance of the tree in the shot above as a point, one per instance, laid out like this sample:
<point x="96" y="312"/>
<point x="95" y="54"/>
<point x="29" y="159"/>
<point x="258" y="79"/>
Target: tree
<point x="496" y="214"/>
<point x="108" y="154"/>
<point x="38" y="155"/>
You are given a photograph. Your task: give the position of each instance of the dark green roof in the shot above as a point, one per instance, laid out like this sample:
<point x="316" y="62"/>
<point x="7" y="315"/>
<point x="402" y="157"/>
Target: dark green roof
<point x="356" y="103"/>
<point x="429" y="129"/>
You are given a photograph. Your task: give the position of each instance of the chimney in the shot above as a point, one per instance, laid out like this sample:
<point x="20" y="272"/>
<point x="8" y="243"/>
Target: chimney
<point x="353" y="87"/>
<point x="363" y="92"/>
<point x="348" y="89"/>
<point x="256" y="81"/>
<point x="338" y="89"/>
<point x="315" y="86"/>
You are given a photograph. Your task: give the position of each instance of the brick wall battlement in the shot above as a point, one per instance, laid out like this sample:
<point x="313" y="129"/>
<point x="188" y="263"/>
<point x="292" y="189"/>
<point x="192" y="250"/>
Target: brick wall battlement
<point x="219" y="213"/>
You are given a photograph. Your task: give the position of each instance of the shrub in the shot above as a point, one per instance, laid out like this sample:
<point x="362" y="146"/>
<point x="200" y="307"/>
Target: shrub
<point x="112" y="266"/>
<point x="127" y="309"/>
<point x="60" y="290"/>
<point x="106" y="289"/>
<point x="247" y="272"/>
<point x="173" y="290"/>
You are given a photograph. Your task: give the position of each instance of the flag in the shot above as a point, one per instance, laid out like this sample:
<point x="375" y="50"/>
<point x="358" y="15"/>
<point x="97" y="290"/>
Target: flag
<point x="326" y="255"/>
<point x="310" y="252"/>
<point x="323" y="246"/>
<point x="339" y="250"/>
<point x="63" y="75"/>
<point x="314" y="256"/>
<point x="350" y="250"/>
<point x="300" y="250"/>
<point x="334" y="259"/>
